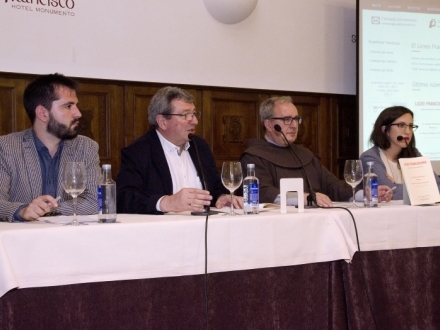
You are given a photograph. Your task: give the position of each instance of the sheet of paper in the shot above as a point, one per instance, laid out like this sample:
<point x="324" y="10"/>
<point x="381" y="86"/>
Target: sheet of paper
<point x="62" y="220"/>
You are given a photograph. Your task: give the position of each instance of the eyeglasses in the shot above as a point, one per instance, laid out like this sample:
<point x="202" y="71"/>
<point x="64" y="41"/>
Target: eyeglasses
<point x="289" y="120"/>
<point x="403" y="126"/>
<point x="185" y="116"/>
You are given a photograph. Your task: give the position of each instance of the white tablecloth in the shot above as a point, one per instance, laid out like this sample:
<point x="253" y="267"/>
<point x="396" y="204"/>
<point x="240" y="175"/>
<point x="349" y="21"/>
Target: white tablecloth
<point x="395" y="226"/>
<point x="146" y="246"/>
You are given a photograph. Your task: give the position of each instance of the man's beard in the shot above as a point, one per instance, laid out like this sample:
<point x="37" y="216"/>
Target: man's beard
<point x="62" y="131"/>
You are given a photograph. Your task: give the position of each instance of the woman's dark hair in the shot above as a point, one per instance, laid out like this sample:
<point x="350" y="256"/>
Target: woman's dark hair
<point x="380" y="139"/>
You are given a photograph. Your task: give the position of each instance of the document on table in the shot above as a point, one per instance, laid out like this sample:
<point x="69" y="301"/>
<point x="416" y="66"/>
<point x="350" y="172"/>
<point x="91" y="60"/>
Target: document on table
<point x="62" y="219"/>
<point x="419" y="180"/>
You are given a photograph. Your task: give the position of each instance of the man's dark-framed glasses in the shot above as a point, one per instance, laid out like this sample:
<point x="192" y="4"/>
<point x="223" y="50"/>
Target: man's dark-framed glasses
<point x="186" y="116"/>
<point x="288" y="120"/>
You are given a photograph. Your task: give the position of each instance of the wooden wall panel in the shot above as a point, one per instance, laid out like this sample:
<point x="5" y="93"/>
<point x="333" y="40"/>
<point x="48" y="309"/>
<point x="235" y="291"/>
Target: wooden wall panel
<point x="232" y="118"/>
<point x="100" y="105"/>
<point x="347" y="136"/>
<point x="325" y="134"/>
<point x="115" y="113"/>
<point x="13" y="116"/>
<point x="309" y="132"/>
<point x="137" y="99"/>
<point x="7" y="102"/>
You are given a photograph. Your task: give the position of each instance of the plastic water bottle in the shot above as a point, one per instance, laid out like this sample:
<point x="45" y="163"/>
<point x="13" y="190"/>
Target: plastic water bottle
<point x="251" y="191"/>
<point x="107" y="196"/>
<point x="370" y="187"/>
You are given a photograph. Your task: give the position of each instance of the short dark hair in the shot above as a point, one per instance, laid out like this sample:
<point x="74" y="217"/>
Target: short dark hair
<point x="43" y="91"/>
<point x="385" y="118"/>
<point x="161" y="102"/>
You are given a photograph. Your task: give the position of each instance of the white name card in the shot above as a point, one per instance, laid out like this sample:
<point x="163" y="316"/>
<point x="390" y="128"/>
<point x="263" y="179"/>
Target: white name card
<point x="291" y="184"/>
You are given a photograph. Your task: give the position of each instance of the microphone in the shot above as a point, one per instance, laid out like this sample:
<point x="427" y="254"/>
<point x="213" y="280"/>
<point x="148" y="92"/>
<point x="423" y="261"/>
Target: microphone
<point x="400" y="138"/>
<point x="312" y="195"/>
<point x="410" y="151"/>
<point x="207" y="213"/>
<point x="202" y="175"/>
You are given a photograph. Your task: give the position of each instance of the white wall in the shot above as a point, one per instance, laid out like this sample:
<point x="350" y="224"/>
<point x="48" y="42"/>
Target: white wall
<point x="283" y="45"/>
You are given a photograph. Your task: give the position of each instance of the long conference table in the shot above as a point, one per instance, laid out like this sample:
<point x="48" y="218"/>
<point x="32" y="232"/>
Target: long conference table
<point x="265" y="271"/>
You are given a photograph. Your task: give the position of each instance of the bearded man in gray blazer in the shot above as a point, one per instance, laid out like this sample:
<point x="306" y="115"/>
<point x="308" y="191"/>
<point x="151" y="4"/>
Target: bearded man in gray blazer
<point x="31" y="161"/>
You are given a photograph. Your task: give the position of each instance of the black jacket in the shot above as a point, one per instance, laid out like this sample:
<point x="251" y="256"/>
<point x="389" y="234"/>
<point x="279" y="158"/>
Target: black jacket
<point x="144" y="176"/>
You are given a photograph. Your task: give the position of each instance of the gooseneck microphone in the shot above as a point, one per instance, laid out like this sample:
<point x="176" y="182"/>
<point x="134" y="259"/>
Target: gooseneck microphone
<point x="204" y="185"/>
<point x="400" y="138"/>
<point x="312" y="195"/>
<point x="207" y="213"/>
<point x="410" y="150"/>
<point x="202" y="175"/>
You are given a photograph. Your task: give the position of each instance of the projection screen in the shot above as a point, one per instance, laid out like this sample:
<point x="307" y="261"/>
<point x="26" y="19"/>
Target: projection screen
<point x="399" y="64"/>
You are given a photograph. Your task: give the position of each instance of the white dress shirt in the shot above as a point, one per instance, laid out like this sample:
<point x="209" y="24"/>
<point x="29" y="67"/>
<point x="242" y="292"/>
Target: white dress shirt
<point x="182" y="169"/>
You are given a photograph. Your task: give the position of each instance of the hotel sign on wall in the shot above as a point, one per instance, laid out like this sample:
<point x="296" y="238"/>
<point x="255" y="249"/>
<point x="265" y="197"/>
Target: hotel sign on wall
<point x="54" y="7"/>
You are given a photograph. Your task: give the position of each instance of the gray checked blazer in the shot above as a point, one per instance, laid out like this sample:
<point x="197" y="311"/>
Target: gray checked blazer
<point x="20" y="173"/>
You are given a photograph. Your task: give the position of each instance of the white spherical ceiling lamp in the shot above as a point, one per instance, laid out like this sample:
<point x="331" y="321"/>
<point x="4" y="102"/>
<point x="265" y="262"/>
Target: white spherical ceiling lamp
<point x="230" y="11"/>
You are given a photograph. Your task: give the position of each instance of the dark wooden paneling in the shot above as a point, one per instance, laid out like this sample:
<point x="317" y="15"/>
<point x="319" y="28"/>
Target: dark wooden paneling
<point x="137" y="99"/>
<point x="347" y="136"/>
<point x="116" y="114"/>
<point x="101" y="107"/>
<point x="13" y="117"/>
<point x="7" y="103"/>
<point x="232" y="118"/>
<point x="309" y="108"/>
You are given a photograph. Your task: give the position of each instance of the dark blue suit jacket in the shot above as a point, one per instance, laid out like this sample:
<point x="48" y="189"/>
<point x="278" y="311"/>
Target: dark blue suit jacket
<point x="144" y="176"/>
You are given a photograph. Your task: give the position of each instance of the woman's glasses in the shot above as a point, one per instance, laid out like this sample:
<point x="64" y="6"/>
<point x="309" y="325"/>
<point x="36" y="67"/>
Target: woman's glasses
<point x="403" y="126"/>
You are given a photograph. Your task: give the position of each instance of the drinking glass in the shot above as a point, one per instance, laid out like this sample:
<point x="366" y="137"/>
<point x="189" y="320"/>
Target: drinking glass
<point x="231" y="178"/>
<point x="74" y="183"/>
<point x="353" y="175"/>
